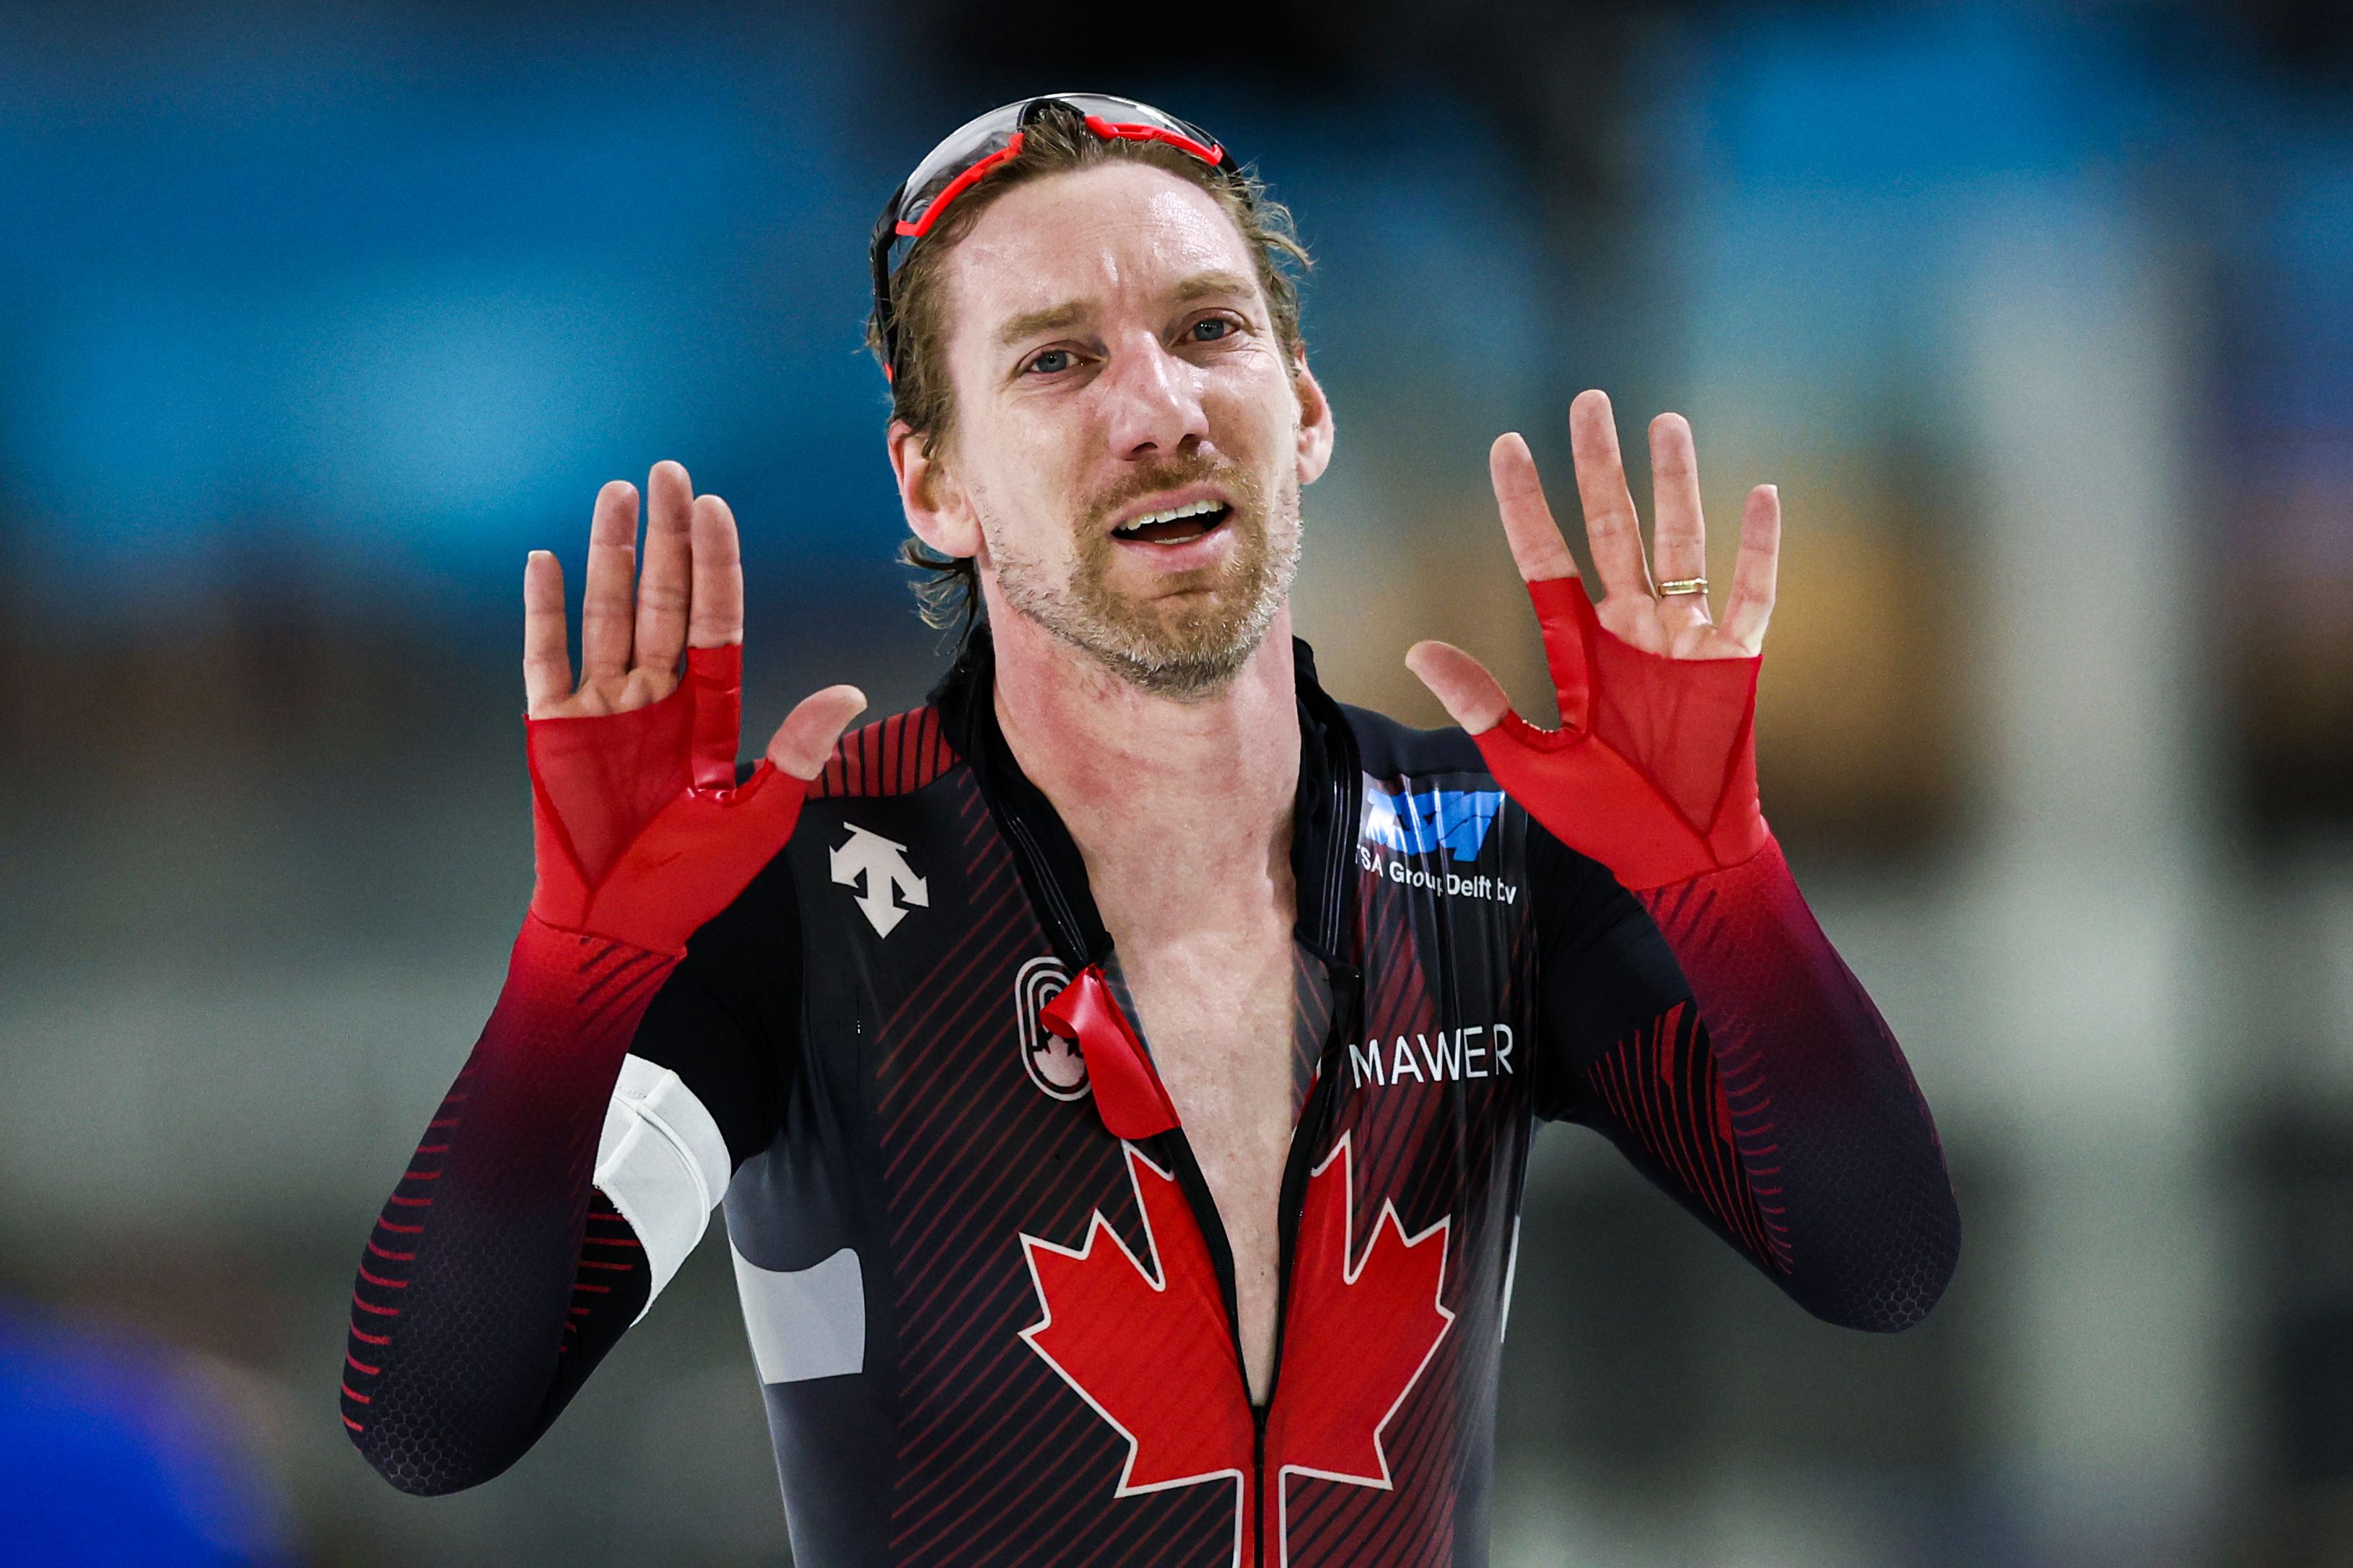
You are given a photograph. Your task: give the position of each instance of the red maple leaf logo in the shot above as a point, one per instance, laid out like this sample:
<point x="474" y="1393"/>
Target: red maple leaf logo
<point x="1357" y="1335"/>
<point x="1149" y="1349"/>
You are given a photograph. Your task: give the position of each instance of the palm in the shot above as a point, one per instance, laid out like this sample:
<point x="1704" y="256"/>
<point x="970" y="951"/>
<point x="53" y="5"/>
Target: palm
<point x="599" y="696"/>
<point x="1654" y="629"/>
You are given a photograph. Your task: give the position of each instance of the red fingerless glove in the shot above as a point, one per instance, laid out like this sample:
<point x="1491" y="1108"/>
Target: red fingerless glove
<point x="1653" y="770"/>
<point x="640" y="832"/>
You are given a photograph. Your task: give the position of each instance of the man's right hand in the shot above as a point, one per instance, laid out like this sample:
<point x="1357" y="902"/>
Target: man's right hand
<point x="641" y="830"/>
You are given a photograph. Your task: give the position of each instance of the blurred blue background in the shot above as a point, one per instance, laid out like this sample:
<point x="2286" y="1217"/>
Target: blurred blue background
<point x="312" y="320"/>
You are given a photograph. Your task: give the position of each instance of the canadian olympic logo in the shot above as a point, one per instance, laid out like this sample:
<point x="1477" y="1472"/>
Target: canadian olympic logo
<point x="1053" y="1063"/>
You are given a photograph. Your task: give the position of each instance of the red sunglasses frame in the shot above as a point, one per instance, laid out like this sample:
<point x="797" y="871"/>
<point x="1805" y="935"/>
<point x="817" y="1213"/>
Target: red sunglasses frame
<point x="1109" y="130"/>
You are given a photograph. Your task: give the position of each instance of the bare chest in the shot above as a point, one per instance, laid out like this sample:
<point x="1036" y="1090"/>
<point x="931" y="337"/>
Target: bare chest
<point x="1221" y="1015"/>
<point x="1220" y="1019"/>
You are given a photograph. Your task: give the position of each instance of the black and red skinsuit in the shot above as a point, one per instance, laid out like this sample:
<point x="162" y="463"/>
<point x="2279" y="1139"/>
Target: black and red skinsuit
<point x="986" y="1290"/>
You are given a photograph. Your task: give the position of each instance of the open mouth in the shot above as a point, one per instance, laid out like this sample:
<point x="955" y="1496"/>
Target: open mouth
<point x="1177" y="525"/>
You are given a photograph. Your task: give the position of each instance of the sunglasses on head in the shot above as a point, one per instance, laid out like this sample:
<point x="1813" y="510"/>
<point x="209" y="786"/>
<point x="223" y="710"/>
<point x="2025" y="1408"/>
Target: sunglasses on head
<point x="975" y="148"/>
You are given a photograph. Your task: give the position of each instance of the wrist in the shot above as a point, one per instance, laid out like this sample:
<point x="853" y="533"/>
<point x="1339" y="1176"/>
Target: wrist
<point x="569" y="990"/>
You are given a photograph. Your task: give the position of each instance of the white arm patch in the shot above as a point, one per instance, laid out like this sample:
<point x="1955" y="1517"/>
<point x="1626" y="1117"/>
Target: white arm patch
<point x="805" y="1322"/>
<point x="663" y="1162"/>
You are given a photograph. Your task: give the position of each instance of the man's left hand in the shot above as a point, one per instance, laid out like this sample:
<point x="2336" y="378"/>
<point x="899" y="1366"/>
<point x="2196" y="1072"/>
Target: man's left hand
<point x="1653" y="770"/>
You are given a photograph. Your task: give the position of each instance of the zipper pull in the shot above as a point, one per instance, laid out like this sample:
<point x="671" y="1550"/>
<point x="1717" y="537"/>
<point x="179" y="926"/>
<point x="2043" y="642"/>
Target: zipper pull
<point x="1128" y="1092"/>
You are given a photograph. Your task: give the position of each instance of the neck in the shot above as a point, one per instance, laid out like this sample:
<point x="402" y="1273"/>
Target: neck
<point x="1123" y="767"/>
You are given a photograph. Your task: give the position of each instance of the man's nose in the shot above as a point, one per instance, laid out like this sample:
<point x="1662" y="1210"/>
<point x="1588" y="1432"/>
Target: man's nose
<point x="1154" y="400"/>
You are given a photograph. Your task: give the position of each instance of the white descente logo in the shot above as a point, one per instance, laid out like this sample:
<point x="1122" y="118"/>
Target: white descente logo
<point x="877" y="867"/>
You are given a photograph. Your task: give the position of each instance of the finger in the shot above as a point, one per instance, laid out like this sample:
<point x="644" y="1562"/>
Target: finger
<point x="1750" y="604"/>
<point x="1679" y="539"/>
<point x="664" y="584"/>
<point x="715" y="618"/>
<point x="1537" y="548"/>
<point x="607" y="599"/>
<point x="807" y="737"/>
<point x="1471" y="697"/>
<point x="1609" y="522"/>
<point x="546" y="660"/>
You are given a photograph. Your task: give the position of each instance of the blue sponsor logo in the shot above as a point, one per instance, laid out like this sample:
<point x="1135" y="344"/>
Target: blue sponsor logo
<point x="1411" y="824"/>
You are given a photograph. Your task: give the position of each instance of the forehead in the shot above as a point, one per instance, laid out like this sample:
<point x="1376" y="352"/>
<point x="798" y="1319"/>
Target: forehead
<point x="1112" y="231"/>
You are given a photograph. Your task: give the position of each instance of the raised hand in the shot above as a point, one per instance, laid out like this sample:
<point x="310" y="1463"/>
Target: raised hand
<point x="640" y="830"/>
<point x="1653" y="770"/>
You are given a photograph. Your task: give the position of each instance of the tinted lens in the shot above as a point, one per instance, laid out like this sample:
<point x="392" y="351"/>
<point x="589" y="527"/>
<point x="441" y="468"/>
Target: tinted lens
<point x="962" y="148"/>
<point x="1127" y="111"/>
<point x="984" y="134"/>
<point x="1118" y="110"/>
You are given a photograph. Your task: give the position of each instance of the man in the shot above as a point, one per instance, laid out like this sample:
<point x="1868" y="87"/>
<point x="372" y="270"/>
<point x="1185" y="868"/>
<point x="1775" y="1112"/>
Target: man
<point x="1119" y="1072"/>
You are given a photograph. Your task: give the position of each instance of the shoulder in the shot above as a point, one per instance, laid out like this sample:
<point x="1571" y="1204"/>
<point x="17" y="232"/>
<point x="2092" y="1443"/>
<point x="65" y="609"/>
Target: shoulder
<point x="1387" y="749"/>
<point x="1437" y="781"/>
<point x="896" y="755"/>
<point x="893" y="756"/>
<point x="1428" y="790"/>
<point x="890" y="757"/>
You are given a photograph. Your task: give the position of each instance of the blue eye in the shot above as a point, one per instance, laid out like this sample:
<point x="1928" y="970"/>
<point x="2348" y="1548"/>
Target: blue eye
<point x="1053" y="361"/>
<point x="1210" y="329"/>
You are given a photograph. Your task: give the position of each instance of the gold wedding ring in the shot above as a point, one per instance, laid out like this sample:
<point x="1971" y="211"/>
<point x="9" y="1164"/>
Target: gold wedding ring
<point x="1683" y="585"/>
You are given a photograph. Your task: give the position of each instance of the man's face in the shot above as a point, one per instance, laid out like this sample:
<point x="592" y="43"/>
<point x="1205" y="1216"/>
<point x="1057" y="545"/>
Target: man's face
<point x="1128" y="433"/>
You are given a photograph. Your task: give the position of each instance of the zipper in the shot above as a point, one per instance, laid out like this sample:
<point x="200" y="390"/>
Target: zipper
<point x="1176" y="1150"/>
<point x="1343" y="791"/>
<point x="1347" y="997"/>
<point x="1060" y="911"/>
<point x="1347" y="983"/>
<point x="1258" y="1491"/>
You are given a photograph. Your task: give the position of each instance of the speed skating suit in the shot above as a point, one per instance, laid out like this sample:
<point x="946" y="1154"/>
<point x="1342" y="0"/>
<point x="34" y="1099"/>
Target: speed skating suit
<point x="987" y="1292"/>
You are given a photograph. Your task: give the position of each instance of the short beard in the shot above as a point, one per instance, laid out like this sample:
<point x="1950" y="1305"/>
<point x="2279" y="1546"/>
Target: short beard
<point x="1186" y="653"/>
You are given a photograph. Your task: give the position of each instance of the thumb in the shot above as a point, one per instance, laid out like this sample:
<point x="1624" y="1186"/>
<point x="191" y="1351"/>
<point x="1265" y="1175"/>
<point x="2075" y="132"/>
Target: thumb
<point x="1471" y="696"/>
<point x="807" y="737"/>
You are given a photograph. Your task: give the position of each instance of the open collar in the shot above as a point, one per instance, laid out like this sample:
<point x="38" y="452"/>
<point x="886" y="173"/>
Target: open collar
<point x="1324" y="827"/>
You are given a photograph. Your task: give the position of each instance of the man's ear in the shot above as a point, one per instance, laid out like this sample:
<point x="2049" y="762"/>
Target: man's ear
<point x="938" y="507"/>
<point x="1315" y="431"/>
